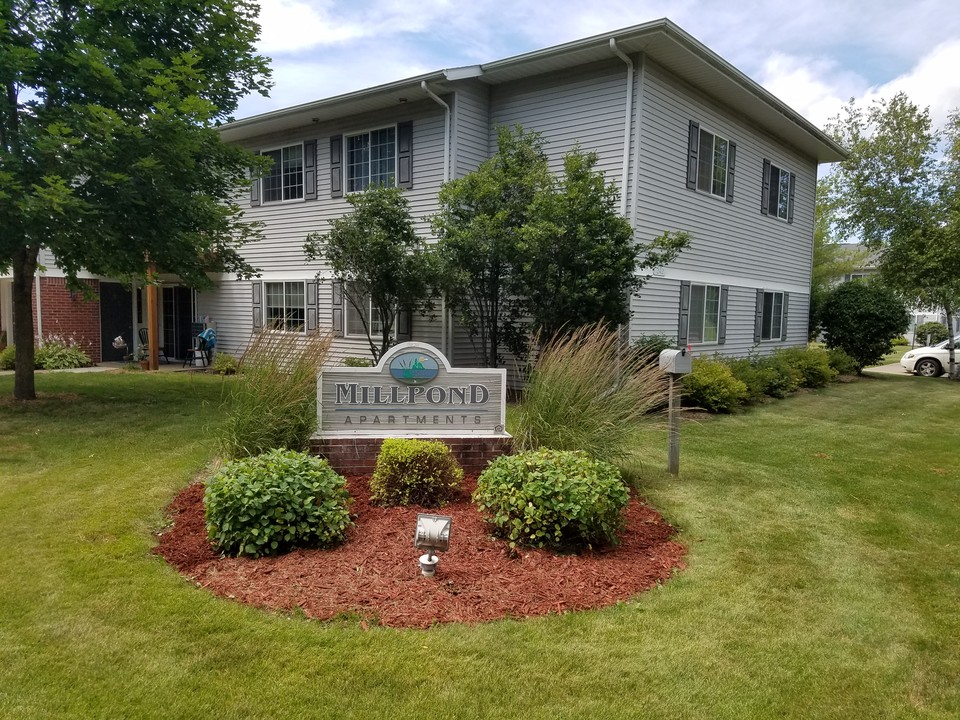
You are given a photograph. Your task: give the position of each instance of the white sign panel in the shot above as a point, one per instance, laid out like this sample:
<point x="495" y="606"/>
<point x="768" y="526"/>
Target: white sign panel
<point x="412" y="392"/>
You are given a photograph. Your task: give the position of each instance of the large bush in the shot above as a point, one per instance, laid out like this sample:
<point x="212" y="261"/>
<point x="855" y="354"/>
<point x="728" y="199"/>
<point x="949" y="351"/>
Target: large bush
<point x="588" y="392"/>
<point x="7" y="357"/>
<point x="415" y="472"/>
<point x="274" y="502"/>
<point x="862" y="319"/>
<point x="712" y="387"/>
<point x="937" y="331"/>
<point x="812" y="364"/>
<point x="552" y="498"/>
<point x="272" y="400"/>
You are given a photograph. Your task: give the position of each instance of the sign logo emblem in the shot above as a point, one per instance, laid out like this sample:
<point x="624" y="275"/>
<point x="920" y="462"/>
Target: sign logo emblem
<point x="413" y="368"/>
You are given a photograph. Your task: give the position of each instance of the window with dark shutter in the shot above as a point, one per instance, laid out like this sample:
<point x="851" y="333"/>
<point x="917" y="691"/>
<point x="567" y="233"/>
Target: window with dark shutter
<point x="711" y="162"/>
<point x="778" y="191"/>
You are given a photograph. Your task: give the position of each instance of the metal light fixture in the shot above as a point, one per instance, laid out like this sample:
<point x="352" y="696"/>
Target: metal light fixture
<point x="432" y="535"/>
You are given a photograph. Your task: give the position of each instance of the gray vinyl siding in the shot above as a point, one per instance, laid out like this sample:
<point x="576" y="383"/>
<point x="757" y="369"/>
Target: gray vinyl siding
<point x="279" y="254"/>
<point x="584" y="105"/>
<point x="732" y="240"/>
<point x="471" y="127"/>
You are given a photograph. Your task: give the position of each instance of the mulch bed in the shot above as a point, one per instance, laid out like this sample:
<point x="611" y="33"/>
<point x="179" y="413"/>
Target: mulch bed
<point x="375" y="574"/>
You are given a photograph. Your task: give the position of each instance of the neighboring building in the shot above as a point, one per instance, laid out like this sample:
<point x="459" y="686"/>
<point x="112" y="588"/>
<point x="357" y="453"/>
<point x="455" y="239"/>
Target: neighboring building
<point x="692" y="143"/>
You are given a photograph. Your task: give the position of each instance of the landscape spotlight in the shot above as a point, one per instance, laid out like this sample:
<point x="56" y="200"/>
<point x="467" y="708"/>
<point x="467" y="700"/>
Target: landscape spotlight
<point x="432" y="535"/>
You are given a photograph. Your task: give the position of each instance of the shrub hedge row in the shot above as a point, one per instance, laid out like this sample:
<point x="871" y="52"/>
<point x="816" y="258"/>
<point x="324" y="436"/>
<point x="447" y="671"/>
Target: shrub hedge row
<point x="720" y="385"/>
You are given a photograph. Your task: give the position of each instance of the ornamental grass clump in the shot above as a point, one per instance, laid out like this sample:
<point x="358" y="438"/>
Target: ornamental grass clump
<point x="275" y="502"/>
<point x="556" y="499"/>
<point x="415" y="472"/>
<point x="587" y="391"/>
<point x="272" y="401"/>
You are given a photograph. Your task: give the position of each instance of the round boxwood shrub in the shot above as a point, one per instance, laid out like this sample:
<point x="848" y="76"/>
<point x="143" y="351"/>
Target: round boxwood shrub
<point x="561" y="499"/>
<point x="414" y="472"/>
<point x="936" y="330"/>
<point x="274" y="502"/>
<point x="813" y="365"/>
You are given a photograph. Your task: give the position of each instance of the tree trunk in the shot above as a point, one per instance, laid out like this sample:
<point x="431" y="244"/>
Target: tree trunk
<point x="24" y="271"/>
<point x="953" y="372"/>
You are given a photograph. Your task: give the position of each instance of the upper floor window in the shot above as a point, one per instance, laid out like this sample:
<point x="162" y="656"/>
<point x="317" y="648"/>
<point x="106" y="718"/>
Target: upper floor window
<point x="711" y="160"/>
<point x="777" y="191"/>
<point x="285" y="306"/>
<point x="372" y="159"/>
<point x="284" y="181"/>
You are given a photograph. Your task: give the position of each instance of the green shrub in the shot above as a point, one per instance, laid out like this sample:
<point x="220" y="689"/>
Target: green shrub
<point x="900" y="341"/>
<point x="58" y="353"/>
<point x="759" y="379"/>
<point x="813" y="365"/>
<point x="652" y="345"/>
<point x="937" y="331"/>
<point x="783" y="379"/>
<point x="712" y="387"/>
<point x="7" y="357"/>
<point x="553" y="498"/>
<point x="841" y="362"/>
<point x="274" y="502"/>
<point x="588" y="392"/>
<point x="224" y="364"/>
<point x="415" y="472"/>
<point x="357" y="362"/>
<point x="862" y="318"/>
<point x="272" y="402"/>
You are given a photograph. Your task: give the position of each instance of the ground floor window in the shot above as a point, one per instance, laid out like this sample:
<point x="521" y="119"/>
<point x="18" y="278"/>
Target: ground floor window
<point x="704" y="314"/>
<point x="285" y="305"/>
<point x="771" y="317"/>
<point x="366" y="314"/>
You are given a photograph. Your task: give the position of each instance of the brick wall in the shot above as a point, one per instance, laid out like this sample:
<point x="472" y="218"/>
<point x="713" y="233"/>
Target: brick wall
<point x="358" y="456"/>
<point x="68" y="314"/>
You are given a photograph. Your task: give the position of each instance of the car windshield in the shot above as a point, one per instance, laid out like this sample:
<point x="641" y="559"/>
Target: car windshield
<point x="956" y="343"/>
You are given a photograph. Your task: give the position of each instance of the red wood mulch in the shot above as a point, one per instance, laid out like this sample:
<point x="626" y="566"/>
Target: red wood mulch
<point x="375" y="573"/>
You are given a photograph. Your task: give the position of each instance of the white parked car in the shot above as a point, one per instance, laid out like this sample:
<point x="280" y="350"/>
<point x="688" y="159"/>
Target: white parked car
<point x="930" y="361"/>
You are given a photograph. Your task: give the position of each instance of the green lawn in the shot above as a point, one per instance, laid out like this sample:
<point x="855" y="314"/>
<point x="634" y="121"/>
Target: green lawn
<point x="823" y="579"/>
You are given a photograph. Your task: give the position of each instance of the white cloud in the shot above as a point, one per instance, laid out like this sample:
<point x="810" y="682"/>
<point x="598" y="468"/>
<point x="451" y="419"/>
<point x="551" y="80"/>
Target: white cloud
<point x="933" y="82"/>
<point x="288" y="26"/>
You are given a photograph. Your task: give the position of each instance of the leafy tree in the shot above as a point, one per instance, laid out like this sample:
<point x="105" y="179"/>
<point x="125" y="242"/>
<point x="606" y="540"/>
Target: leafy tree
<point x="903" y="199"/>
<point x="578" y="260"/>
<point x="862" y="318"/>
<point x="831" y="260"/>
<point x="109" y="154"/>
<point x="381" y="261"/>
<point x="481" y="224"/>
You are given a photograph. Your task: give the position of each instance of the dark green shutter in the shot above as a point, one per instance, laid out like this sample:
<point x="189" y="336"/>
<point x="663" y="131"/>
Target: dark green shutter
<point x="765" y="196"/>
<point x="337" y="303"/>
<point x="693" y="154"/>
<point x="404" y="326"/>
<point x="758" y="320"/>
<point x="311" y="306"/>
<point x="683" y="331"/>
<point x="722" y="323"/>
<point x="783" y="326"/>
<point x="254" y="186"/>
<point x="257" y="301"/>
<point x="336" y="166"/>
<point x="793" y="183"/>
<point x="310" y="170"/>
<point x="731" y="169"/>
<point x="405" y="155"/>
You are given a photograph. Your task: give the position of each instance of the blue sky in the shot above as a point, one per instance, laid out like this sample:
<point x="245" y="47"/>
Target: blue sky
<point x="812" y="54"/>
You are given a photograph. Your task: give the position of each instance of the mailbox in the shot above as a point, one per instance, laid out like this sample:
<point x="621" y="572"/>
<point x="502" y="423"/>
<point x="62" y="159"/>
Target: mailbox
<point x="676" y="362"/>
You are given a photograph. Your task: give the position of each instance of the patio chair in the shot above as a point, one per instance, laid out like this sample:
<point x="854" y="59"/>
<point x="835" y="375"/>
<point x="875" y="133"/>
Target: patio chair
<point x="198" y="351"/>
<point x="145" y="344"/>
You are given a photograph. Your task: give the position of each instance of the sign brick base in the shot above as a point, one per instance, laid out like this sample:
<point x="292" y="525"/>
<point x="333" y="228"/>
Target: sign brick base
<point x="358" y="456"/>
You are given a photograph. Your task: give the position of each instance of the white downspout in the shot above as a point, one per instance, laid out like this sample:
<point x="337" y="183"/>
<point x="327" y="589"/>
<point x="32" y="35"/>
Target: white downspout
<point x="446" y="178"/>
<point x="636" y="148"/>
<point x="39" y="311"/>
<point x="627" y="119"/>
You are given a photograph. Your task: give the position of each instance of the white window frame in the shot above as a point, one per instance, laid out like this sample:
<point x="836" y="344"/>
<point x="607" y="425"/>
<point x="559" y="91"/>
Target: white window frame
<point x="701" y="331"/>
<point x="722" y="194"/>
<point x="285" y="321"/>
<point x="778" y="194"/>
<point x="768" y="333"/>
<point x="351" y="316"/>
<point x="349" y="166"/>
<point x="276" y="165"/>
